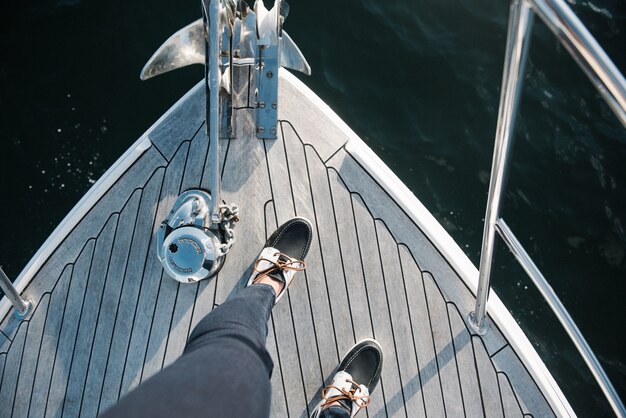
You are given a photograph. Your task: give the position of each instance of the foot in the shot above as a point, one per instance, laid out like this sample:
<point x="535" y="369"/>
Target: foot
<point x="283" y="256"/>
<point x="356" y="377"/>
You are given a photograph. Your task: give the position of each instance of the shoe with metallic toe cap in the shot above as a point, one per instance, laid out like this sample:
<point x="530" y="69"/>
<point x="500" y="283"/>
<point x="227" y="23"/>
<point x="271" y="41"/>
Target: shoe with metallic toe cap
<point x="284" y="253"/>
<point x="356" y="377"/>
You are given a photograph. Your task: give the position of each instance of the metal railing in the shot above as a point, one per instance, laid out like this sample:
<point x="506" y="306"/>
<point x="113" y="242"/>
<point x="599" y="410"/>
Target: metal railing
<point x="22" y="306"/>
<point x="612" y="87"/>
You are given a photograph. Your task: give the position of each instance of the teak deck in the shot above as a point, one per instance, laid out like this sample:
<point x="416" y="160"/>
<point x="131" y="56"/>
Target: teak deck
<point x="106" y="317"/>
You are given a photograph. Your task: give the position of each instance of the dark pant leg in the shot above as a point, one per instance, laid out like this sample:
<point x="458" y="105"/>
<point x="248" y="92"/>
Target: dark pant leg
<point x="225" y="369"/>
<point x="334" y="412"/>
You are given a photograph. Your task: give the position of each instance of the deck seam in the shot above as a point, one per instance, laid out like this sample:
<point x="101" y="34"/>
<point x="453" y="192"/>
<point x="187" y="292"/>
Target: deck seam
<point x="269" y="176"/>
<point x="163" y="169"/>
<point x="21" y="362"/>
<point x="82" y="307"/>
<point x="432" y="339"/>
<point x="393" y="332"/>
<point x="154" y="221"/>
<point x="458" y="370"/>
<point x="408" y="307"/>
<point x="343" y="267"/>
<point x="512" y="391"/>
<point x="143" y="361"/>
<point x="358" y="240"/>
<point x="141" y="191"/>
<point x="280" y="367"/>
<point x="306" y="276"/>
<point x="470" y="335"/>
<point x="106" y="273"/>
<point x="56" y="349"/>
<point x="330" y="304"/>
<point x="39" y="350"/>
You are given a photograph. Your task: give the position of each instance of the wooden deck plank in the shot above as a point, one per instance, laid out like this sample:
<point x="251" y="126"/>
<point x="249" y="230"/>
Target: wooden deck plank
<point x="442" y="338"/>
<point x="401" y="325"/>
<point x="391" y="386"/>
<point x="354" y="276"/>
<point x="30" y="355"/>
<point x="328" y="242"/>
<point x="530" y="398"/>
<point x="127" y="305"/>
<point x="288" y="360"/>
<point x="323" y="320"/>
<point x="488" y="380"/>
<point x="279" y="402"/>
<point x="100" y="346"/>
<point x="405" y="231"/>
<point x="298" y="295"/>
<point x="245" y="183"/>
<point x="88" y="317"/>
<point x="155" y="286"/>
<point x="180" y="125"/>
<point x="279" y="396"/>
<point x="69" y="329"/>
<point x="319" y="130"/>
<point x="3" y="357"/>
<point x="203" y="303"/>
<point x="509" y="400"/>
<point x="422" y="335"/>
<point x="464" y="354"/>
<point x="11" y="372"/>
<point x="49" y="342"/>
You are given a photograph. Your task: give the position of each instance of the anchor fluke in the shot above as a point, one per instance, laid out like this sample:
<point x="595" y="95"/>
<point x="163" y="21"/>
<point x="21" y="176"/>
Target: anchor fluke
<point x="185" y="47"/>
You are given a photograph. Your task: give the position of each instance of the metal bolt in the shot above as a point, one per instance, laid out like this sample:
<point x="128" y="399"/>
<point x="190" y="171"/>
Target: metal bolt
<point x="269" y="74"/>
<point x="260" y="129"/>
<point x="274" y="105"/>
<point x="262" y="105"/>
<point x="273" y="130"/>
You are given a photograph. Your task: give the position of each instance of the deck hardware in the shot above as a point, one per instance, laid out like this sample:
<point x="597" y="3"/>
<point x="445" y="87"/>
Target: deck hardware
<point x="187" y="247"/>
<point x="22" y="306"/>
<point x="246" y="36"/>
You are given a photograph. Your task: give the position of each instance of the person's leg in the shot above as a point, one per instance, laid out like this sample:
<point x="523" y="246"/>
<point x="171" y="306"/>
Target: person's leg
<point x="224" y="371"/>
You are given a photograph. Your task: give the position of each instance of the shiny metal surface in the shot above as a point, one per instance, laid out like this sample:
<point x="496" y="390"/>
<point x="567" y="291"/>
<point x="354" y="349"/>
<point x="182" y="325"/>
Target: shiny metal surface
<point x="22" y="306"/>
<point x="586" y="51"/>
<point x="518" y="38"/>
<point x="185" y="47"/>
<point x="187" y="249"/>
<point x="611" y="85"/>
<point x="214" y="82"/>
<point x="563" y="316"/>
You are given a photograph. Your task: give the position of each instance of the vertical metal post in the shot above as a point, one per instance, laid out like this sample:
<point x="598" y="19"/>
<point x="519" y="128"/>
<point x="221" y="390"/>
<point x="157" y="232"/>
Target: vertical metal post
<point x="22" y="306"/>
<point x="518" y="39"/>
<point x="213" y="105"/>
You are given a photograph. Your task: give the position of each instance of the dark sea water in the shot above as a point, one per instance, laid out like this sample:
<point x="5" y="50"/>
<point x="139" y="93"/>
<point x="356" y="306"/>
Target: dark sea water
<point x="418" y="80"/>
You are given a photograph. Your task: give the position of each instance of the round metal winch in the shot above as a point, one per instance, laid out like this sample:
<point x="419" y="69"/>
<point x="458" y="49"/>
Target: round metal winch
<point x="188" y="250"/>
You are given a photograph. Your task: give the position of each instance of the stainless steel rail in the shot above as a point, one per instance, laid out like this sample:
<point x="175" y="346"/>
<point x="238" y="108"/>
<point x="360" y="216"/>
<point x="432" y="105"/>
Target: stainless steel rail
<point x="22" y="306"/>
<point x="612" y="87"/>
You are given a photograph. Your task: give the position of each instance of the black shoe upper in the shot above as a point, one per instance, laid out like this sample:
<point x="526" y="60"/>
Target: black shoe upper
<point x="364" y="362"/>
<point x="292" y="238"/>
